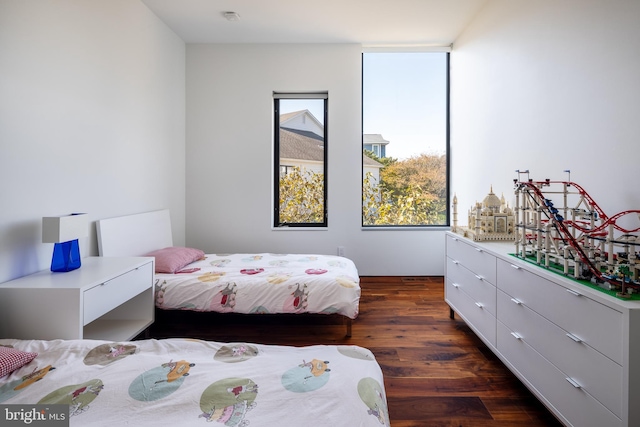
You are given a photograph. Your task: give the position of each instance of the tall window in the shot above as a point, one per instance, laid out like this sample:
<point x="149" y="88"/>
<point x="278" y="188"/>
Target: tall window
<point x="405" y="113"/>
<point x="300" y="157"/>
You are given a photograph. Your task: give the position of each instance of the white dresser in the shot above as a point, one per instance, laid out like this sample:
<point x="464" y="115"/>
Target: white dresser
<point x="106" y="298"/>
<point x="577" y="349"/>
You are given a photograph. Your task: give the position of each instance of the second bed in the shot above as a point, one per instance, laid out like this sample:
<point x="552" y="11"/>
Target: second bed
<point x="248" y="283"/>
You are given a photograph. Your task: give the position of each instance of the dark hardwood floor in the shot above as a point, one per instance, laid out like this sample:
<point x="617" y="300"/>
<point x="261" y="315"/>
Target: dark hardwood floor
<point x="437" y="371"/>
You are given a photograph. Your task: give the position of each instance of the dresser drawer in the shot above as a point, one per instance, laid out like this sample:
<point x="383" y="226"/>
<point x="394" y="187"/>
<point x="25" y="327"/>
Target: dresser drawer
<point x="597" y="374"/>
<point x="474" y="285"/>
<point x="597" y="325"/>
<point x="473" y="312"/>
<point x="572" y="401"/>
<point x="103" y="298"/>
<point x="475" y="259"/>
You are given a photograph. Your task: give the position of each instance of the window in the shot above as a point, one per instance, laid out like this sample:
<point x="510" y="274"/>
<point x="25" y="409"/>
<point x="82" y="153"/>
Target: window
<point x="405" y="123"/>
<point x="286" y="169"/>
<point x="300" y="159"/>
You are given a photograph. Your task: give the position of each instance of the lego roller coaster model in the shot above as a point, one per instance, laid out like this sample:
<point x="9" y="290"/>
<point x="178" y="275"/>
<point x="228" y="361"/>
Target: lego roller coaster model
<point x="561" y="227"/>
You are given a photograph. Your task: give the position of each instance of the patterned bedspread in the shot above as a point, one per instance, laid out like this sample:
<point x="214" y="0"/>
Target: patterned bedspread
<point x="182" y="382"/>
<point x="263" y="283"/>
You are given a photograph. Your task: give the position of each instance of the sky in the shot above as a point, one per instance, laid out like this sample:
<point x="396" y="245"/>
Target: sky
<point x="404" y="100"/>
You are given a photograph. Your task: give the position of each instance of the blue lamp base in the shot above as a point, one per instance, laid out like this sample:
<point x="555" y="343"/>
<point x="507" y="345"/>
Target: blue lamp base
<point x="66" y="256"/>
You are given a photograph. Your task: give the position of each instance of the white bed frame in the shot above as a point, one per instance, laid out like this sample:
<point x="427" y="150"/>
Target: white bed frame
<point x="134" y="235"/>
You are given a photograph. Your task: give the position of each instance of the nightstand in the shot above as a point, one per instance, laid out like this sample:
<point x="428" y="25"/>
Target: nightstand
<point x="107" y="299"/>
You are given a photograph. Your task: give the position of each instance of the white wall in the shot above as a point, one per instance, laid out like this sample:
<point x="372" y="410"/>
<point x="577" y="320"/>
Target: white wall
<point x="229" y="157"/>
<point x="92" y="119"/>
<point x="548" y="85"/>
<point x="92" y="102"/>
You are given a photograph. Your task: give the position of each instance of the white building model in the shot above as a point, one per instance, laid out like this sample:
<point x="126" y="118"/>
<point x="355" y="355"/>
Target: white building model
<point x="491" y="220"/>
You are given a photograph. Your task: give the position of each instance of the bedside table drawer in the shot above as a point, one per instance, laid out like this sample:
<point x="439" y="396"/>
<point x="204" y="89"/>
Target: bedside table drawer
<point x="107" y="296"/>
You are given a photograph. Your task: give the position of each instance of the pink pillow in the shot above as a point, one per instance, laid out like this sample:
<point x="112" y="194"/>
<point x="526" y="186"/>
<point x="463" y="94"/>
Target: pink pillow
<point x="174" y="258"/>
<point x="12" y="359"/>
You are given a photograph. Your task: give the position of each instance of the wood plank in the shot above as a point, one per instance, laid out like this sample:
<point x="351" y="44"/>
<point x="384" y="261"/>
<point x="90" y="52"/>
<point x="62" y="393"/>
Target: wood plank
<point x="437" y="408"/>
<point x="438" y="373"/>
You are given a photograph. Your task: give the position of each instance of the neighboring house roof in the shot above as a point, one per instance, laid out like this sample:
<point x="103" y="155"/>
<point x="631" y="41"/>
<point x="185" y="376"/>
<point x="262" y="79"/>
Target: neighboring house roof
<point x="373" y="138"/>
<point x="300" y="144"/>
<point x="305" y="145"/>
<point x="368" y="161"/>
<point x="297" y="144"/>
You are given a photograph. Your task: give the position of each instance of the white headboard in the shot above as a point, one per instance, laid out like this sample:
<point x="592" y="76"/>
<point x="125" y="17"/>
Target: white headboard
<point x="134" y="235"/>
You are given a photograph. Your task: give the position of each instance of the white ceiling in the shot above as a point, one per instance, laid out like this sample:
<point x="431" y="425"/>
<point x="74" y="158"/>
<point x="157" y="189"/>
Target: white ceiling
<point x="369" y="22"/>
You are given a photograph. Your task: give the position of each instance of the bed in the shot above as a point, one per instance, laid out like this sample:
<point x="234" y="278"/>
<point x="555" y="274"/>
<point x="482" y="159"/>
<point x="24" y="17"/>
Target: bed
<point x="186" y="382"/>
<point x="248" y="283"/>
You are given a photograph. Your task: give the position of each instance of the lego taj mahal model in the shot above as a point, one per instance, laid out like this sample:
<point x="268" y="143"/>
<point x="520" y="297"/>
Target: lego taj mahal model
<point x="491" y="220"/>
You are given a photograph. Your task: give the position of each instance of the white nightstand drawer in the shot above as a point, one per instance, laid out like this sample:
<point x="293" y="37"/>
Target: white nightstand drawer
<point x="473" y="312"/>
<point x="105" y="297"/>
<point x="596" y="324"/>
<point x="474" y="258"/>
<point x="472" y="284"/>
<point x="599" y="375"/>
<point x="563" y="392"/>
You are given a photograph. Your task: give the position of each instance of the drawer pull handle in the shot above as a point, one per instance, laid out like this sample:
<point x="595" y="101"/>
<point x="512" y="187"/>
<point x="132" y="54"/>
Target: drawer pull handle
<point x="455" y="261"/>
<point x="573" y="337"/>
<point x="455" y="285"/>
<point x="515" y="266"/>
<point x="479" y="305"/>
<point x="576" y="293"/>
<point x="455" y="239"/>
<point x="573" y="382"/>
<point x="478" y="276"/>
<point x="479" y="250"/>
<point x="516" y="336"/>
<point x="517" y="301"/>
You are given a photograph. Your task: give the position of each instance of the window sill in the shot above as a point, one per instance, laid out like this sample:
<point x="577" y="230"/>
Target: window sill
<point x="407" y="228"/>
<point x="299" y="228"/>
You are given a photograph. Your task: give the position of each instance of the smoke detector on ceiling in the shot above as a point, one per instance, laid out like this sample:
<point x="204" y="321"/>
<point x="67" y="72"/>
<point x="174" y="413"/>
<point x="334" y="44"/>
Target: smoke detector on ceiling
<point x="231" y="16"/>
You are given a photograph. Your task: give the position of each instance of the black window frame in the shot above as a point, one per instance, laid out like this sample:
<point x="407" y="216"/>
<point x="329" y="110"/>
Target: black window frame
<point x="447" y="222"/>
<point x="277" y="96"/>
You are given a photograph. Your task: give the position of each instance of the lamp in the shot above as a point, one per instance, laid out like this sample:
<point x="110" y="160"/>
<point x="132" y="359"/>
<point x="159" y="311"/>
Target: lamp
<point x="64" y="231"/>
